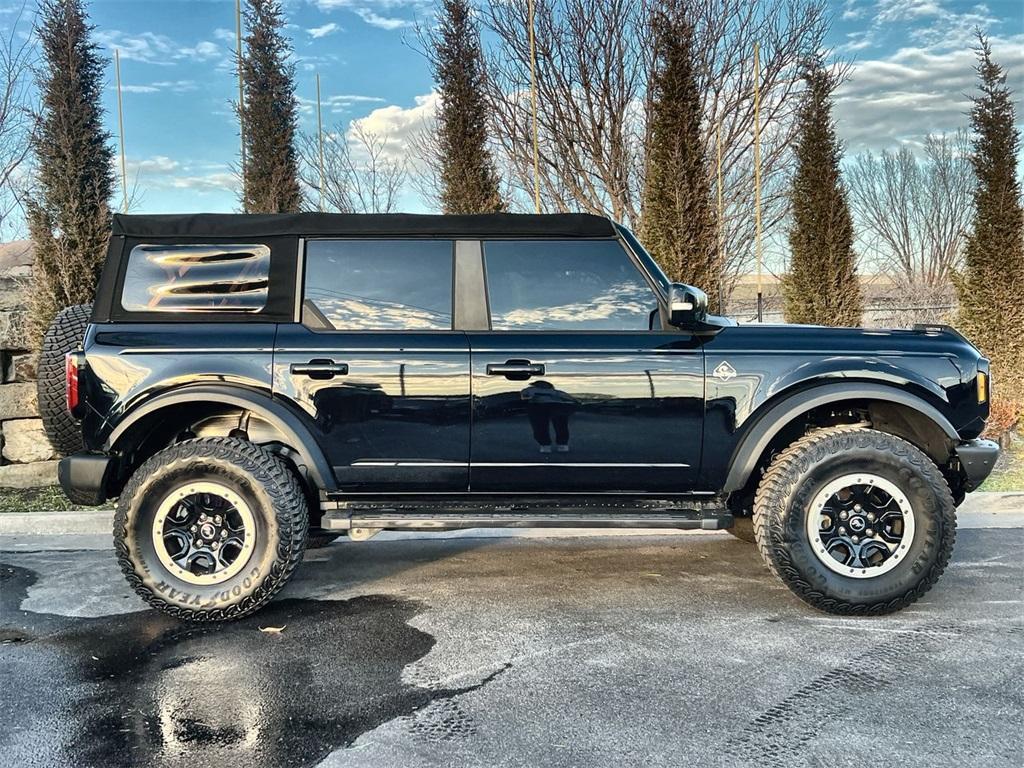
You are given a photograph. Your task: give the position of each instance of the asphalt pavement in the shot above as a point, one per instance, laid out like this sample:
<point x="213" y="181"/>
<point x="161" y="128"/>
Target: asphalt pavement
<point x="539" y="650"/>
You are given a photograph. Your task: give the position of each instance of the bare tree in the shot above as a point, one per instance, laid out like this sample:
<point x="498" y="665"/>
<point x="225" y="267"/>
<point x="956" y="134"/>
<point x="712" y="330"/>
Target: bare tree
<point x="361" y="172"/>
<point x="16" y="60"/>
<point x="913" y="214"/>
<point x="593" y="65"/>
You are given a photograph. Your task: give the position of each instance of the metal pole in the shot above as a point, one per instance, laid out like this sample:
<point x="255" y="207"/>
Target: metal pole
<point x="757" y="182"/>
<point x="533" y="106"/>
<point x="120" y="128"/>
<point x="241" y="96"/>
<point x="721" y="220"/>
<point x="320" y="140"/>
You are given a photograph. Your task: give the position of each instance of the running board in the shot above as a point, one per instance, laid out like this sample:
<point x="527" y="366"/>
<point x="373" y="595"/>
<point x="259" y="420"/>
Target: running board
<point x="446" y="517"/>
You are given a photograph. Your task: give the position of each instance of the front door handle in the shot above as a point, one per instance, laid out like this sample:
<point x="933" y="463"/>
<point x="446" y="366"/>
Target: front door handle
<point x="319" y="369"/>
<point x="516" y="370"/>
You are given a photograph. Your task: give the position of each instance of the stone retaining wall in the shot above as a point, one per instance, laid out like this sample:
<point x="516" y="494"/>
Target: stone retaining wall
<point x="26" y="457"/>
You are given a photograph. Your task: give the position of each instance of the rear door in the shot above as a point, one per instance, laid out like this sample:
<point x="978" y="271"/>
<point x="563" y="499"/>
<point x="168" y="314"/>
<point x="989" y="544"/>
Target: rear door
<point x="572" y="393"/>
<point x="377" y="366"/>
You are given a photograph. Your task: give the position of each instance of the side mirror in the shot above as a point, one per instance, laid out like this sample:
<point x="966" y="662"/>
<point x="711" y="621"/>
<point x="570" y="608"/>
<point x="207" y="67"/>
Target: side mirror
<point x="687" y="306"/>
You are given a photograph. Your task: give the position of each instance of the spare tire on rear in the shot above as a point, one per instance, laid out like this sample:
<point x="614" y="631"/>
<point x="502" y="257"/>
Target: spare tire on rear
<point x="65" y="334"/>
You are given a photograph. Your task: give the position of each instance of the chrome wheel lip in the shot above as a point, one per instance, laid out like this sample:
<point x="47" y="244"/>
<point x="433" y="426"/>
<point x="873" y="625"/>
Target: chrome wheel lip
<point x="170" y="502"/>
<point x="813" y="525"/>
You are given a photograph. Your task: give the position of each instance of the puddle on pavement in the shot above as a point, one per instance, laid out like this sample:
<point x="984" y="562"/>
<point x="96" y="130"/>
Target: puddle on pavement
<point x="145" y="689"/>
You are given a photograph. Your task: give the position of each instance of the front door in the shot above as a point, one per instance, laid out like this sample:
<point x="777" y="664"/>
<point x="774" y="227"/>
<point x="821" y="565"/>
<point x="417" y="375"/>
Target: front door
<point x="377" y="366"/>
<point x="571" y="391"/>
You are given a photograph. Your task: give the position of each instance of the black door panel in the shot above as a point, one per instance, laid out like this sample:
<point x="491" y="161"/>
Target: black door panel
<point x="610" y="412"/>
<point x="383" y="376"/>
<point x="398" y="419"/>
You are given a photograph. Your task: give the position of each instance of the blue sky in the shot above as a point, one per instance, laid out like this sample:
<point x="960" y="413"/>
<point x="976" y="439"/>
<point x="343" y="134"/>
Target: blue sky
<point x="912" y="70"/>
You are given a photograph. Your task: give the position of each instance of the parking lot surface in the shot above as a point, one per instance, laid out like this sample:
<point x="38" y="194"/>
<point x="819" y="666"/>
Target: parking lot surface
<point x="523" y="651"/>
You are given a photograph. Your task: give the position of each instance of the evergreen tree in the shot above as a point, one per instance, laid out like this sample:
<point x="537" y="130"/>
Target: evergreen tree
<point x="821" y="286"/>
<point x="991" y="286"/>
<point x="468" y="179"/>
<point x="68" y="212"/>
<point x="679" y="227"/>
<point x="268" y="113"/>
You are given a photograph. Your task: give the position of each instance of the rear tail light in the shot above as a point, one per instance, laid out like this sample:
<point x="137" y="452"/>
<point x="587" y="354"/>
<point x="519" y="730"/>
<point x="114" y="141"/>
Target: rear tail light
<point x="71" y="380"/>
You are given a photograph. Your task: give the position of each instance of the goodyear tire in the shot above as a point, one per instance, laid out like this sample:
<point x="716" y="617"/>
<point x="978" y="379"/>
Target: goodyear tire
<point x="855" y="521"/>
<point x="64" y="335"/>
<point x="210" y="529"/>
<point x="743" y="529"/>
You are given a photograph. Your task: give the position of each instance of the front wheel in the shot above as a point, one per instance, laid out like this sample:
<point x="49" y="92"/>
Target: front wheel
<point x="855" y="521"/>
<point x="210" y="529"/>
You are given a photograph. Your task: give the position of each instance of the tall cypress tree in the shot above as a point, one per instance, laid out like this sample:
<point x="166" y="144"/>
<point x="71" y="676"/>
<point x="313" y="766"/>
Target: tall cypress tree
<point x="821" y="286"/>
<point x="68" y="212"/>
<point x="469" y="181"/>
<point x="269" y="113"/>
<point x="679" y="227"/>
<point x="991" y="286"/>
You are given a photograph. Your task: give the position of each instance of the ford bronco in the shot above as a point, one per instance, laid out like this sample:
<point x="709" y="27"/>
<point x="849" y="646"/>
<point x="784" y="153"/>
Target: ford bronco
<point x="247" y="386"/>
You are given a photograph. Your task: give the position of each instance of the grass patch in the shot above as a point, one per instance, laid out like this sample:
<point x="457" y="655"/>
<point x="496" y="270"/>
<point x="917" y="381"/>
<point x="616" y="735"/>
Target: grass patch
<point x="1008" y="474"/>
<point x="47" y="499"/>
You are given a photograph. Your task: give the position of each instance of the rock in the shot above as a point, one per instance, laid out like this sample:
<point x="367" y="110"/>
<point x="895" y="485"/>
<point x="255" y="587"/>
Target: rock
<point x="16" y="257"/>
<point x="18" y="401"/>
<point x="14" y="330"/>
<point x="25" y="441"/>
<point x="12" y="293"/>
<point x="37" y="475"/>
<point x="21" y="367"/>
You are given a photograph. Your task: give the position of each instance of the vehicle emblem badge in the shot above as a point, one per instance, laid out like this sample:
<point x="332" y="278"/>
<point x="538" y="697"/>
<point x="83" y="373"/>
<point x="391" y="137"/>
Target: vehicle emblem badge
<point x="724" y="371"/>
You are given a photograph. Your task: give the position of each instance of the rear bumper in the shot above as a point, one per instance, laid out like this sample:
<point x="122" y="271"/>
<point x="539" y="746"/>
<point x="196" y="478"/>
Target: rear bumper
<point x="977" y="458"/>
<point x="84" y="477"/>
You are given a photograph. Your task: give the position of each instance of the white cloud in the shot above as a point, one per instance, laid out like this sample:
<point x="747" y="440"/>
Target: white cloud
<point x="177" y="86"/>
<point x="323" y="31"/>
<point x="138" y="88"/>
<point x="374" y="19"/>
<point x="337" y="103"/>
<point x="914" y="92"/>
<point x="210" y="182"/>
<point x="146" y="46"/>
<point x="225" y="35"/>
<point x="158" y="164"/>
<point x="400" y="124"/>
<point x="204" y="50"/>
<point x="153" y="48"/>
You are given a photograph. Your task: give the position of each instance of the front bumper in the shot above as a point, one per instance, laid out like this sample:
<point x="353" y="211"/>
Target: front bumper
<point x="977" y="458"/>
<point x="85" y="477"/>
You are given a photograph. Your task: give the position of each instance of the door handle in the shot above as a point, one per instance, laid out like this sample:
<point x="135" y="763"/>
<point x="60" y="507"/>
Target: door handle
<point x="319" y="369"/>
<point x="516" y="370"/>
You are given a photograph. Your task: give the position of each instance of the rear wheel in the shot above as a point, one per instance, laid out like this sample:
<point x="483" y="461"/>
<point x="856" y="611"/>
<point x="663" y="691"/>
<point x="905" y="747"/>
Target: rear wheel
<point x="210" y="529"/>
<point x="855" y="521"/>
<point x="65" y="334"/>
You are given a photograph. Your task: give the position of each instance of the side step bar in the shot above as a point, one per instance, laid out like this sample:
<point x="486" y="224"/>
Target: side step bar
<point x="690" y="518"/>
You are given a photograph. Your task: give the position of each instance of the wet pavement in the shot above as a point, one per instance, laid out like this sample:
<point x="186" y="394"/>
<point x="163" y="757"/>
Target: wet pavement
<point x="562" y="651"/>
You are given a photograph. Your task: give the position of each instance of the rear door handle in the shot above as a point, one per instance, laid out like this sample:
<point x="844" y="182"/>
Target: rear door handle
<point x="516" y="370"/>
<point x="319" y="369"/>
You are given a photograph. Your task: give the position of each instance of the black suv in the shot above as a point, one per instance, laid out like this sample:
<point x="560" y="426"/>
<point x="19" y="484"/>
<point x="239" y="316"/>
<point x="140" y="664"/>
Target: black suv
<point x="250" y="386"/>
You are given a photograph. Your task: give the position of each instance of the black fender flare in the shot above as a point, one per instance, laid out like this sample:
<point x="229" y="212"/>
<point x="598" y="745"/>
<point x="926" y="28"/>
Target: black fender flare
<point x="298" y="436"/>
<point x="772" y="420"/>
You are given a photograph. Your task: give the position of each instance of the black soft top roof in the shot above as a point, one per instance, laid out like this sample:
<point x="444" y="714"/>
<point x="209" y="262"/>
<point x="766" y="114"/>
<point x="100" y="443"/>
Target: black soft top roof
<point x="240" y="225"/>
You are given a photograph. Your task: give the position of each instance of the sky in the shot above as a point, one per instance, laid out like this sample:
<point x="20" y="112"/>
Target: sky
<point x="912" y="69"/>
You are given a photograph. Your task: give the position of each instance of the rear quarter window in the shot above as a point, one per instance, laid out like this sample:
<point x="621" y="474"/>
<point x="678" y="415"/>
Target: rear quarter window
<point x="196" y="278"/>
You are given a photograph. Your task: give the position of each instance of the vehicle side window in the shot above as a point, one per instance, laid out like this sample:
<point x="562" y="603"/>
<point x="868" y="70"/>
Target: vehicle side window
<point x="381" y="285"/>
<point x="571" y="285"/>
<point x="196" y="278"/>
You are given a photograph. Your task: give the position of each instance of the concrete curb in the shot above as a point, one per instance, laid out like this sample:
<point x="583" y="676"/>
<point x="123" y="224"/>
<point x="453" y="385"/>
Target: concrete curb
<point x="979" y="510"/>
